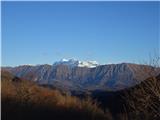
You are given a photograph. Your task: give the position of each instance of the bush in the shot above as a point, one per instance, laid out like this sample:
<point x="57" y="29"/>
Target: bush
<point x="25" y="100"/>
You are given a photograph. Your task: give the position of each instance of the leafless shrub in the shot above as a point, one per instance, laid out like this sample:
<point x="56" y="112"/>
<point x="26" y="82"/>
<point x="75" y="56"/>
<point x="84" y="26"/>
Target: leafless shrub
<point x="144" y="99"/>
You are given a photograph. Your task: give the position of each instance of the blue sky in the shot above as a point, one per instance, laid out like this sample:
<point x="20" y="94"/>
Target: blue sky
<point x="108" y="32"/>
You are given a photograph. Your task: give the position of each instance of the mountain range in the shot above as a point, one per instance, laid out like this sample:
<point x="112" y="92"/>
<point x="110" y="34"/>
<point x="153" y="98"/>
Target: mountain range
<point x="84" y="75"/>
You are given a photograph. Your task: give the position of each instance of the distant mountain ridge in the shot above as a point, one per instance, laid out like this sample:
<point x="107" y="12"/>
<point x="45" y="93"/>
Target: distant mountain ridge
<point x="63" y="76"/>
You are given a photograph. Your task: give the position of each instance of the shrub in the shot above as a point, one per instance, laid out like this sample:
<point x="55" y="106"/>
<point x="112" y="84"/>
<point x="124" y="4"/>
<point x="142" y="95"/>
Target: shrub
<point x="26" y="100"/>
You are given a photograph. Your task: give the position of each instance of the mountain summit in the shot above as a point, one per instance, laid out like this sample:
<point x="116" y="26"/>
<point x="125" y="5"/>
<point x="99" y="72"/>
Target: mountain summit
<point x="76" y="63"/>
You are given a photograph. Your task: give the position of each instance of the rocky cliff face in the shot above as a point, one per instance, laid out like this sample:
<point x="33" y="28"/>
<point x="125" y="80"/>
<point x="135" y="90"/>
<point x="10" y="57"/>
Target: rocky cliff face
<point x="104" y="77"/>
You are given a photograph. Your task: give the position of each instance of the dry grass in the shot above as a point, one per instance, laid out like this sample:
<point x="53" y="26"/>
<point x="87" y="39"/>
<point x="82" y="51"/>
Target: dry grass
<point x="30" y="98"/>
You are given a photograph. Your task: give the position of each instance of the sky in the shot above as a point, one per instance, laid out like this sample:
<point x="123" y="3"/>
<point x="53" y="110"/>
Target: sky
<point x="108" y="32"/>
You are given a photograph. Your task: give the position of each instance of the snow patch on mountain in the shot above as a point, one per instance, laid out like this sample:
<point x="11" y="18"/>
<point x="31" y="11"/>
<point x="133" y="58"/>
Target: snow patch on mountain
<point x="77" y="63"/>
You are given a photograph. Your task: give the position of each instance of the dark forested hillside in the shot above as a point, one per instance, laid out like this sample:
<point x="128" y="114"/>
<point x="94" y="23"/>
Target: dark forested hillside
<point x="139" y="102"/>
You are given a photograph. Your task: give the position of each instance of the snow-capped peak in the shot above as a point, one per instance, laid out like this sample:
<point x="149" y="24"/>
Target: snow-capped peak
<point x="77" y="63"/>
<point x="64" y="60"/>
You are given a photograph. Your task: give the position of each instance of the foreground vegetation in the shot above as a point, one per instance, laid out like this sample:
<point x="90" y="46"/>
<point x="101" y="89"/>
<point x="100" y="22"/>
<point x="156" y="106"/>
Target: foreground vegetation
<point x="143" y="101"/>
<point x="24" y="100"/>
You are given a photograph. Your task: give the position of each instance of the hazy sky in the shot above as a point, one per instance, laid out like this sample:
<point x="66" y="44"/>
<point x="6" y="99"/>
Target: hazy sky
<point x="108" y="32"/>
